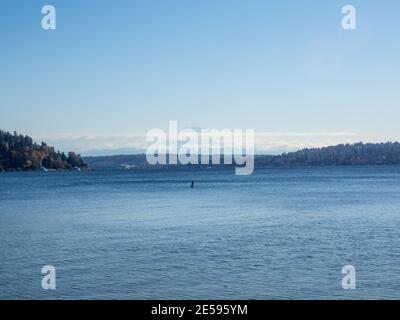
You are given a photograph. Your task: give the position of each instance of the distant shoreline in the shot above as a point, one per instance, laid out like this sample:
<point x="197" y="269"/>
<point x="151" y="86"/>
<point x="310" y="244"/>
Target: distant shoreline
<point x="20" y="153"/>
<point x="358" y="154"/>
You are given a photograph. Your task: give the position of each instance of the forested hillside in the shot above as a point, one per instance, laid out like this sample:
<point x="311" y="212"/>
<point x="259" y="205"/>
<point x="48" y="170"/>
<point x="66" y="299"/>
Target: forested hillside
<point x="344" y="154"/>
<point x="19" y="152"/>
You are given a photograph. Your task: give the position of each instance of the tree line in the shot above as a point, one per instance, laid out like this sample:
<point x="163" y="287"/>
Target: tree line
<point x="343" y="154"/>
<point x="20" y="152"/>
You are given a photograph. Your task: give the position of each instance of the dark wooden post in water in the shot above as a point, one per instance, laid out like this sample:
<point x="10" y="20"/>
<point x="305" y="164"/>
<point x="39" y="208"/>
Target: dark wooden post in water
<point x="192" y="185"/>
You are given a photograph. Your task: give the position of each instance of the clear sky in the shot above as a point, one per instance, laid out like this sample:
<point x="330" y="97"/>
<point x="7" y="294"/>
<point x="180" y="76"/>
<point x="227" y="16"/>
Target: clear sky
<point x="121" y="68"/>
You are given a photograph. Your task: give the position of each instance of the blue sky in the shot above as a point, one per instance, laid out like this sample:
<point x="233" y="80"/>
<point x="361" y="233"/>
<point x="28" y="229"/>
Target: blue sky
<point x="120" y="68"/>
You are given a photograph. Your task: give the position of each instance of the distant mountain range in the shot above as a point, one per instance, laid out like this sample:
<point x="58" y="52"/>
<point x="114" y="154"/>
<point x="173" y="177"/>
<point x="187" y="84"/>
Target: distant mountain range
<point x="112" y="152"/>
<point x="339" y="155"/>
<point x="19" y="152"/>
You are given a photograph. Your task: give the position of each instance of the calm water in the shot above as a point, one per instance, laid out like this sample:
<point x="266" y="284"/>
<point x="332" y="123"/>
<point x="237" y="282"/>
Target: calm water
<point x="278" y="234"/>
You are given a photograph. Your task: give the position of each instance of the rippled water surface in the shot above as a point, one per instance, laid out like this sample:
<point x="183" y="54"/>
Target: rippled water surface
<point x="278" y="234"/>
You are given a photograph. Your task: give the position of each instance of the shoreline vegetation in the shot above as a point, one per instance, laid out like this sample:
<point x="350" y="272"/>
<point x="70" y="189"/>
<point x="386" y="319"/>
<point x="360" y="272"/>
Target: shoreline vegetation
<point x="20" y="153"/>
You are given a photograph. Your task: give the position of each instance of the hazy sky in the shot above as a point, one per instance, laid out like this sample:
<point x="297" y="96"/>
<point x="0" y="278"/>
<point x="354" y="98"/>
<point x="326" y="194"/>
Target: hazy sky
<point x="121" y="68"/>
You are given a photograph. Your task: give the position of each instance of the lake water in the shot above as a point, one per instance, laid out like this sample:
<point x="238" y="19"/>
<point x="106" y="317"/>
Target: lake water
<point x="277" y="234"/>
